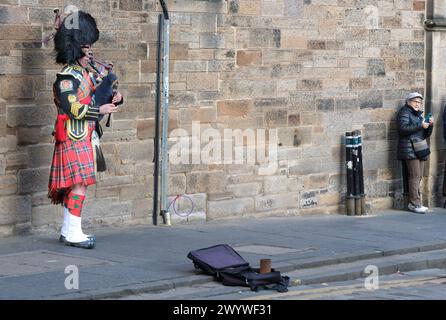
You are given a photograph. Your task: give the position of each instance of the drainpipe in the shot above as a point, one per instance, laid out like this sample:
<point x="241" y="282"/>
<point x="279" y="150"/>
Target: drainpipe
<point x="165" y="115"/>
<point x="156" y="156"/>
<point x="163" y="177"/>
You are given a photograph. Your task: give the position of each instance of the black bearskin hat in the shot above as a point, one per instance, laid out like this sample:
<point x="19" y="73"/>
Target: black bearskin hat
<point x="80" y="30"/>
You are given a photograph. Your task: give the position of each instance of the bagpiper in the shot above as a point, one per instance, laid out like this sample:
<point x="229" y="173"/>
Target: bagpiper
<point x="73" y="166"/>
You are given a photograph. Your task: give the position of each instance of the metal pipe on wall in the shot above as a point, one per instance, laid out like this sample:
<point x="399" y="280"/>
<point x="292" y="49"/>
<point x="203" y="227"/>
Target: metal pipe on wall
<point x="165" y="115"/>
<point x="163" y="178"/>
<point x="157" y="123"/>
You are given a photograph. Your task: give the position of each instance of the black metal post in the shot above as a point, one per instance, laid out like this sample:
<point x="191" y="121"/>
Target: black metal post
<point x="349" y="167"/>
<point x="361" y="174"/>
<point x="355" y="160"/>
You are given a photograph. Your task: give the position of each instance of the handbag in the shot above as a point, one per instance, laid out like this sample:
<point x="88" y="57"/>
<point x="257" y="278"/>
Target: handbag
<point x="421" y="148"/>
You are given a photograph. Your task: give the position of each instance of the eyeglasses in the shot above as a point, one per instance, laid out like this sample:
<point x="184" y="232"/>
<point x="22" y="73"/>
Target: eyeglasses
<point x="417" y="101"/>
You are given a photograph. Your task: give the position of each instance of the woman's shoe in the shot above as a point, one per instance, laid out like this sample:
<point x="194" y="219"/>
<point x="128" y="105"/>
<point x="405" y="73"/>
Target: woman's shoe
<point x="417" y="208"/>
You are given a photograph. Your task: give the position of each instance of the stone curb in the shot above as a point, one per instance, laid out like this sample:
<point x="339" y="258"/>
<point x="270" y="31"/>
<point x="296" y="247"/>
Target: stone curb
<point x="383" y="270"/>
<point x="163" y="285"/>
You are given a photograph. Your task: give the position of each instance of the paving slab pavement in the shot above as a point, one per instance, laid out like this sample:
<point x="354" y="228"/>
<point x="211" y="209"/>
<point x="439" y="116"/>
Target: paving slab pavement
<point x="148" y="258"/>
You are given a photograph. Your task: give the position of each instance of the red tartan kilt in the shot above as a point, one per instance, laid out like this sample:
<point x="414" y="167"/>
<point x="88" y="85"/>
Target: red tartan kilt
<point x="73" y="163"/>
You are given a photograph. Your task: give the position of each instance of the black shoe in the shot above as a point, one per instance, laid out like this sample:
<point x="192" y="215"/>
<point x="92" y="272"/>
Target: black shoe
<point x="88" y="244"/>
<point x="62" y="238"/>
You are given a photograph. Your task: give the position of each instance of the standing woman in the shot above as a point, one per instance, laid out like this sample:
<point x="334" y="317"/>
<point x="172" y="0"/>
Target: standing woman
<point x="414" y="130"/>
<point x="73" y="165"/>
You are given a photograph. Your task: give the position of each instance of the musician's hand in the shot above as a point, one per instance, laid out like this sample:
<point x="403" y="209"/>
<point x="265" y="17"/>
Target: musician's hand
<point x="108" y="108"/>
<point x="117" y="97"/>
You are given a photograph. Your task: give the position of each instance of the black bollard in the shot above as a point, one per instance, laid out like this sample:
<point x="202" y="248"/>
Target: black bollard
<point x="356" y="184"/>
<point x="361" y="174"/>
<point x="350" y="177"/>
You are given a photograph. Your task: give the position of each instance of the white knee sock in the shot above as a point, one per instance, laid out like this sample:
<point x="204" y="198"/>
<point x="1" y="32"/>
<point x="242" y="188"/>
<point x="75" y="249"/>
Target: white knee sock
<point x="66" y="219"/>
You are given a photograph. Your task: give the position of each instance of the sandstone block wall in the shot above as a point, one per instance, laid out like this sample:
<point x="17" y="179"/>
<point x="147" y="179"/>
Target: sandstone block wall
<point x="309" y="69"/>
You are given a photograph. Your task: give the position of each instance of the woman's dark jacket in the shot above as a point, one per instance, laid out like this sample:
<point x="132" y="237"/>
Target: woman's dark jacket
<point x="409" y="123"/>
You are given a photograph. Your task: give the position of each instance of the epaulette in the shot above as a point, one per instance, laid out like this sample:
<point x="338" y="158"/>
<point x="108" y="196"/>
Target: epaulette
<point x="73" y="70"/>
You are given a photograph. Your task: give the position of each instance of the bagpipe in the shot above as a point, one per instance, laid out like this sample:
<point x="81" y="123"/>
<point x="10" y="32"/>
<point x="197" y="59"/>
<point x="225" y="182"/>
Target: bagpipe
<point x="105" y="87"/>
<point x="106" y="83"/>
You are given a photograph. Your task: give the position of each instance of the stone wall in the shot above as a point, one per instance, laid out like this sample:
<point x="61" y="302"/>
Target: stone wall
<point x="311" y="69"/>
